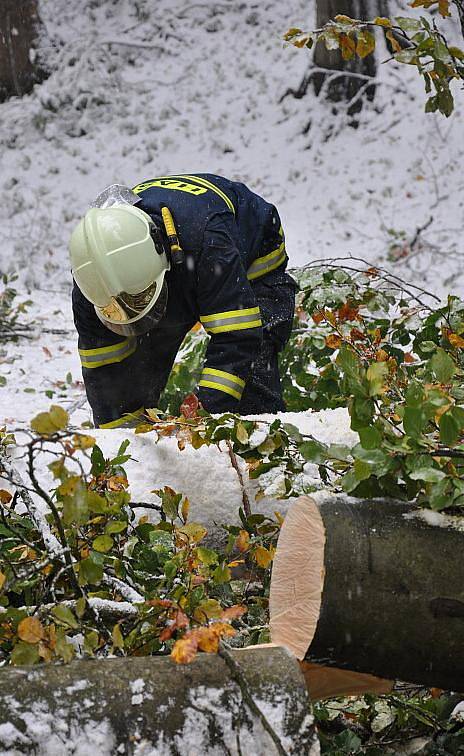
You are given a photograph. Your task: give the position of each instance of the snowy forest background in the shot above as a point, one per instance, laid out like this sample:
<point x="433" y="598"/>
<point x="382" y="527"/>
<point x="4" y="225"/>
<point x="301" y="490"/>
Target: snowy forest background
<point x="130" y="90"/>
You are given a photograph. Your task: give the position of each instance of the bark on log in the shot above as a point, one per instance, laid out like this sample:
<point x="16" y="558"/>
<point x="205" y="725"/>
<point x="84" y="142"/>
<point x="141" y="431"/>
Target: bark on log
<point x="392" y="600"/>
<point x="151" y="705"/>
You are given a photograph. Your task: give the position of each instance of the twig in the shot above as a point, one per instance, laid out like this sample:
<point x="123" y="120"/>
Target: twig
<point x="245" y="499"/>
<point x="237" y="675"/>
<point x="419" y="230"/>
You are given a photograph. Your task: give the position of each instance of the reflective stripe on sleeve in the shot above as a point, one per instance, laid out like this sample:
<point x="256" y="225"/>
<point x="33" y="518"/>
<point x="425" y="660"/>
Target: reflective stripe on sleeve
<point x="128" y="420"/>
<point x="222" y="381"/>
<point x="94" y="358"/>
<point x="232" y="320"/>
<point x="265" y="264"/>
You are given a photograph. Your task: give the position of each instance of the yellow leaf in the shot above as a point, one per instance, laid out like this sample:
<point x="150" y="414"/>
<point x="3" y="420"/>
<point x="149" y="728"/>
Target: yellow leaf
<point x="263" y="556"/>
<point x="301" y="41"/>
<point x="394" y="42"/>
<point x="242" y="434"/>
<point x="116" y="635"/>
<point x="340" y="19"/>
<point x="381" y="21"/>
<point x="83" y="441"/>
<point x="454" y="340"/>
<point x="242" y="542"/>
<point x="279" y="518"/>
<point x="30" y="630"/>
<point x="185" y="509"/>
<point x="287" y="36"/>
<point x="184" y="650"/>
<point x="233" y="612"/>
<point x="208" y="609"/>
<point x="193" y="530"/>
<point x="2" y="580"/>
<point x="365" y="44"/>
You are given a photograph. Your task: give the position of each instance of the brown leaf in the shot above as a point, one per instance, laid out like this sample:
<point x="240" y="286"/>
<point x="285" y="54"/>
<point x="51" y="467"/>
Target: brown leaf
<point x="47" y="352"/>
<point x="333" y="341"/>
<point x="348" y="312"/>
<point x="347" y="46"/>
<point x="190" y="405"/>
<point x="233" y="612"/>
<point x="2" y="580"/>
<point x="318" y="316"/>
<point x="5" y="496"/>
<point x="30" y="630"/>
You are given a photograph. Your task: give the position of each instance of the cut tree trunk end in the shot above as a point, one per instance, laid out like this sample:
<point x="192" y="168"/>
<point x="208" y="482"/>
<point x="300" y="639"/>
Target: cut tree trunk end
<point x="152" y="705"/>
<point x="388" y="586"/>
<point x="20" y="27"/>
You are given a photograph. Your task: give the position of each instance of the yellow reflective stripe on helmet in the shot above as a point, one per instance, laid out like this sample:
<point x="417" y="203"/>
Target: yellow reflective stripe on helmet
<point x="265" y="264"/>
<point x="128" y="420"/>
<point x="204" y="182"/>
<point x="232" y="320"/>
<point x="222" y="381"/>
<point x="94" y="358"/>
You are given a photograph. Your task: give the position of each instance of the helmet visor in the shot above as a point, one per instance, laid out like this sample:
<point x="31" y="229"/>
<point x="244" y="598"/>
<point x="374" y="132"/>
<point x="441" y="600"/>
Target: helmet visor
<point x="131" y="314"/>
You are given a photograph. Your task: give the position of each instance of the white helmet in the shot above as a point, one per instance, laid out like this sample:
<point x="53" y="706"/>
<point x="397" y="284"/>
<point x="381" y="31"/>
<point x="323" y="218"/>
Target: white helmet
<point x="119" y="261"/>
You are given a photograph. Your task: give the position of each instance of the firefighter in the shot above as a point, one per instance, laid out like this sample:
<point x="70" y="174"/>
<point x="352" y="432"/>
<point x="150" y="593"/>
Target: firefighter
<point x="151" y="262"/>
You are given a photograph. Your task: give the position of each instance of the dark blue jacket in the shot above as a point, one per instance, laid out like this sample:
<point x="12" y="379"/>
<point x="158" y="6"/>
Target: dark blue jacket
<point x="231" y="237"/>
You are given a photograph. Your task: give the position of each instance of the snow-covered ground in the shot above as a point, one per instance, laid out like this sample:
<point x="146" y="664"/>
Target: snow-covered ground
<point x="142" y="89"/>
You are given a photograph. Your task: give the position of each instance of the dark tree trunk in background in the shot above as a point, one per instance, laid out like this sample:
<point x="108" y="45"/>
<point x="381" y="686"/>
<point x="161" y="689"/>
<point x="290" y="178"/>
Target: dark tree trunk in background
<point x="345" y="87"/>
<point x="19" y="30"/>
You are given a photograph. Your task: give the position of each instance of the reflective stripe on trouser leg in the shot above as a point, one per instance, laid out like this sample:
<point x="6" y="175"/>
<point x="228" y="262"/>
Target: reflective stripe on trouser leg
<point x="222" y="381"/>
<point x="128" y="420"/>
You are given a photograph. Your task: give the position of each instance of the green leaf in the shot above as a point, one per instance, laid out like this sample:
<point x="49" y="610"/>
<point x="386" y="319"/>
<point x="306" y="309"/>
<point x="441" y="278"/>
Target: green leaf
<point x="362" y="470"/>
<point x="65" y="616"/>
<point x="414" y="421"/>
<point x="25" y="654"/>
<point x="98" y="461"/>
<point x="207" y="556"/>
<point x="115" y="526"/>
<point x="414" y="395"/>
<point x="103" y="543"/>
<point x="408" y="24"/>
<point x="376" y="375"/>
<point x="442" y="365"/>
<point x="221" y="574"/>
<point x="428" y="475"/>
<point x="90" y="642"/>
<point x="90" y="571"/>
<point x="449" y="429"/>
<point x="370" y="437"/>
<point x="313" y="451"/>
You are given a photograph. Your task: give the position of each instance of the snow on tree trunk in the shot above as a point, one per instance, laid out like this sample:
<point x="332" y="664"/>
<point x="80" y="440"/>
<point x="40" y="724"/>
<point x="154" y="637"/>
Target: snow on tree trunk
<point x="19" y="30"/>
<point x="253" y="701"/>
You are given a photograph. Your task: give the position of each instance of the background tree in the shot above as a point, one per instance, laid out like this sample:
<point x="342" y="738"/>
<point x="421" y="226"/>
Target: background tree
<point x="20" y="28"/>
<point x="345" y="87"/>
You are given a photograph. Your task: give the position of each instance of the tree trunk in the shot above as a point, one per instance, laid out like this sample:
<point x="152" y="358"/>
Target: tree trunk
<point x="341" y="87"/>
<point x="19" y="30"/>
<point x="153" y="705"/>
<point x="391" y="602"/>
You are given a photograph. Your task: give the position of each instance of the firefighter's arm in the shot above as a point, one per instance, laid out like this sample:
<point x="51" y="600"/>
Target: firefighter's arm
<point x="229" y="313"/>
<point x="107" y="364"/>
